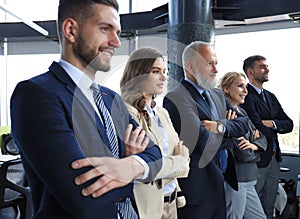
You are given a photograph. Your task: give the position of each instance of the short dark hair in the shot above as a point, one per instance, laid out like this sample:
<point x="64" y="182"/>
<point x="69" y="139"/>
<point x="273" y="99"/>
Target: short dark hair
<point x="249" y="62"/>
<point x="79" y="10"/>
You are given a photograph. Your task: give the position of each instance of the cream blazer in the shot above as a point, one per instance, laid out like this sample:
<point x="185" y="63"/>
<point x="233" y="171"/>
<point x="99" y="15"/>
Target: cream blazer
<point x="150" y="198"/>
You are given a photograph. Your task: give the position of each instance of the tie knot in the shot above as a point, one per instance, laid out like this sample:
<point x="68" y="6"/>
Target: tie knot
<point x="262" y="94"/>
<point x="94" y="87"/>
<point x="205" y="96"/>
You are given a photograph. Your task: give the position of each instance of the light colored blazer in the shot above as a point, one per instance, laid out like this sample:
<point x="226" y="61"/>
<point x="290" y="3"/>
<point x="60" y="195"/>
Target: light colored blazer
<point x="149" y="197"/>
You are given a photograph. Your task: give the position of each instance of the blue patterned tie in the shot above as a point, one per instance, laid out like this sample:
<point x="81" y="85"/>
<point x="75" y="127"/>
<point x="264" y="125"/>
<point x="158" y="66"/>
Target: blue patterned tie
<point x="125" y="209"/>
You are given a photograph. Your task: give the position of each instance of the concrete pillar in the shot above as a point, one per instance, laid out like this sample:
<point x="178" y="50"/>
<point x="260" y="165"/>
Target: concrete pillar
<point x="189" y="20"/>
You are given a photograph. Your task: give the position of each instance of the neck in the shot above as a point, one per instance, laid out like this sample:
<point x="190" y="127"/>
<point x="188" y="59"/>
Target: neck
<point x="86" y="69"/>
<point x="234" y="104"/>
<point x="148" y="99"/>
<point x="257" y="84"/>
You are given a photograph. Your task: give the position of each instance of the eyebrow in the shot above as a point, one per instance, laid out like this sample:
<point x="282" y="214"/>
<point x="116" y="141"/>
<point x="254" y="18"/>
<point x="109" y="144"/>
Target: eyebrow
<point x="263" y="65"/>
<point x="158" y="68"/>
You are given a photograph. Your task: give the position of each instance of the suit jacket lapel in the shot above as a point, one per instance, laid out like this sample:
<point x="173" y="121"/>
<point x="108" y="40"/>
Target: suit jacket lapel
<point x="197" y="96"/>
<point x="79" y="98"/>
<point x="269" y="100"/>
<point x="257" y="95"/>
<point x="217" y="96"/>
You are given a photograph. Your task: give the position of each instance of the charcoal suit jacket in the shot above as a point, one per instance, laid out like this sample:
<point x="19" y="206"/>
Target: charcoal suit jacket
<point x="187" y="109"/>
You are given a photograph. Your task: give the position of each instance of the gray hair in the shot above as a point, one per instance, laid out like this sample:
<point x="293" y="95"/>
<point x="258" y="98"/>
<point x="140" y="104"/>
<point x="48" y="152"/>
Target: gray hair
<point x="191" y="51"/>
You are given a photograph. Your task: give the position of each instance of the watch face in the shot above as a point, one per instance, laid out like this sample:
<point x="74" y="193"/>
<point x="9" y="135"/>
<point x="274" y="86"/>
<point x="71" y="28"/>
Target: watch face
<point x="220" y="128"/>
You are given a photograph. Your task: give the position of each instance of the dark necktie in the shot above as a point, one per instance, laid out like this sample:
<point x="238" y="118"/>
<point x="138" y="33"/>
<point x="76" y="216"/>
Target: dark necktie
<point x="262" y="94"/>
<point x="125" y="209"/>
<point x="223" y="152"/>
<point x="205" y="97"/>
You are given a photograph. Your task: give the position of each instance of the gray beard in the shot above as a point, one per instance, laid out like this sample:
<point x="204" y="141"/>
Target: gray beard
<point x="205" y="84"/>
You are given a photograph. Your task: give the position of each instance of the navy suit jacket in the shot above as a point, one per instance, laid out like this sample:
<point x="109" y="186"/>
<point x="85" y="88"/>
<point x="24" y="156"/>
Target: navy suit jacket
<point x="187" y="108"/>
<point x="257" y="111"/>
<point x="54" y="124"/>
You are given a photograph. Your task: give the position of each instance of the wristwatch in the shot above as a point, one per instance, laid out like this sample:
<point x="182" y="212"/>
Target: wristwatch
<point x="220" y="128"/>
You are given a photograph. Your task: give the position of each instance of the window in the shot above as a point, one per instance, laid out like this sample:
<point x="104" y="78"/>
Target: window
<point x="280" y="47"/>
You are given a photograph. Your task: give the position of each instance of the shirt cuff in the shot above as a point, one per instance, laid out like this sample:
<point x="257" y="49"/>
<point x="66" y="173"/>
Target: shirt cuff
<point x="146" y="167"/>
<point x="274" y="124"/>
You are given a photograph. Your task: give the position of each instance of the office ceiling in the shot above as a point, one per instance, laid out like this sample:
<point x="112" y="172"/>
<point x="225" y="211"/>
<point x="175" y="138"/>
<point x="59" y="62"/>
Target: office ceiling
<point x="225" y="12"/>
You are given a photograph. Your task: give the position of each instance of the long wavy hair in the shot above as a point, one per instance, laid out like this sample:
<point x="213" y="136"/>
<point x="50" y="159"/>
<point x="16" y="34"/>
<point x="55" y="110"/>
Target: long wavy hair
<point x="135" y="73"/>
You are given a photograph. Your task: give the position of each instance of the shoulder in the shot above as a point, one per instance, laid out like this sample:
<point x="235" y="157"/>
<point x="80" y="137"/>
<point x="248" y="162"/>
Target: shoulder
<point x="132" y="110"/>
<point x="162" y="112"/>
<point x="108" y="91"/>
<point x="267" y="92"/>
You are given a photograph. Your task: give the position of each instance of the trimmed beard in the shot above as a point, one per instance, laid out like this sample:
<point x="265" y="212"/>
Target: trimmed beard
<point x="206" y="84"/>
<point x="88" y="56"/>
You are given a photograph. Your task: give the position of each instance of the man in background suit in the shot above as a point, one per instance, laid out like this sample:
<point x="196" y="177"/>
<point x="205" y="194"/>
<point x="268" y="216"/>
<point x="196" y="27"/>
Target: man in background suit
<point x="267" y="115"/>
<point x="65" y="148"/>
<point x="203" y="123"/>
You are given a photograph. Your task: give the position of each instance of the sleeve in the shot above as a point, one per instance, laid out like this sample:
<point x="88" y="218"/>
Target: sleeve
<point x="173" y="166"/>
<point x="48" y="147"/>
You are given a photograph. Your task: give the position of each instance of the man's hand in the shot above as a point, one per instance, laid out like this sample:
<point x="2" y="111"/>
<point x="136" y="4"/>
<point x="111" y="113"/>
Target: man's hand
<point x="111" y="173"/>
<point x="210" y="126"/>
<point x="135" y="141"/>
<point x="268" y="123"/>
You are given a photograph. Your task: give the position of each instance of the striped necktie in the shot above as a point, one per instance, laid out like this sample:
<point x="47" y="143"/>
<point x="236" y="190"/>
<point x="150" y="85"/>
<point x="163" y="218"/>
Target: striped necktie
<point x="125" y="209"/>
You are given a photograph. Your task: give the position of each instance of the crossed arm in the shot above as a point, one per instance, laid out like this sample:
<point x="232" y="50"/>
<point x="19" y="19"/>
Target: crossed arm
<point x="113" y="173"/>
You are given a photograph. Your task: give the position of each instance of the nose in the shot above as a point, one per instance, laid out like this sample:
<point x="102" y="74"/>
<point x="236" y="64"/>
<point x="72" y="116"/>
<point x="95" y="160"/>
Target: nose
<point x="115" y="40"/>
<point x="214" y="68"/>
<point x="163" y="76"/>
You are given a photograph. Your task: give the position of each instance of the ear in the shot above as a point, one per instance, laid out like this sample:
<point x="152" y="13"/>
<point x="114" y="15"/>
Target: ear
<point x="188" y="66"/>
<point x="69" y="28"/>
<point x="189" y="71"/>
<point x="249" y="72"/>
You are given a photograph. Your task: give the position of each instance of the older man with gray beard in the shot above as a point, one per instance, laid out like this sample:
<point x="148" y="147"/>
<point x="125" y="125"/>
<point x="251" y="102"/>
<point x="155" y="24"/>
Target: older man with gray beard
<point x="205" y="120"/>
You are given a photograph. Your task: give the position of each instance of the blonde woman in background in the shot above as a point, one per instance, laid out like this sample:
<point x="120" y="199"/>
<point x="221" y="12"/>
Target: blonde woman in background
<point x="245" y="202"/>
<point x="143" y="79"/>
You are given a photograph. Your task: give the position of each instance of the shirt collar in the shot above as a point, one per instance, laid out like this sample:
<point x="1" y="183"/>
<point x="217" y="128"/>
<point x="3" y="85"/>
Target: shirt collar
<point x="78" y="77"/>
<point x="196" y="86"/>
<point x="256" y="88"/>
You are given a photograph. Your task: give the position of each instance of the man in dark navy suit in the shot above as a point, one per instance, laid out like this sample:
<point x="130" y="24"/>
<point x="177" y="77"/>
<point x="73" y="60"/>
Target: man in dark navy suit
<point x="266" y="113"/>
<point x="74" y="166"/>
<point x="204" y="119"/>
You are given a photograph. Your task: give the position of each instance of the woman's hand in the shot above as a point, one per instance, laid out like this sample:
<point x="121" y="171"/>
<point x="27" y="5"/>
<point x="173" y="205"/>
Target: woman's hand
<point x="181" y="149"/>
<point x="246" y="144"/>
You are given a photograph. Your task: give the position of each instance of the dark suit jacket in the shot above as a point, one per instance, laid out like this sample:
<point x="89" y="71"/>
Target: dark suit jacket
<point x="54" y="124"/>
<point x="187" y="109"/>
<point x="257" y="111"/>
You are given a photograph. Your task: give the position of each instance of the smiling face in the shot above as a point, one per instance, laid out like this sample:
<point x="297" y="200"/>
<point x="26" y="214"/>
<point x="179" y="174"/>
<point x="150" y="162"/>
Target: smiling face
<point x="90" y="42"/>
<point x="237" y="91"/>
<point x="98" y="37"/>
<point x="155" y="81"/>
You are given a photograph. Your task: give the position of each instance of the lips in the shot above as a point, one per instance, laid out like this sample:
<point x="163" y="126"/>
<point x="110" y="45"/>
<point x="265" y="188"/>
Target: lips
<point x="161" y="85"/>
<point x="107" y="52"/>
